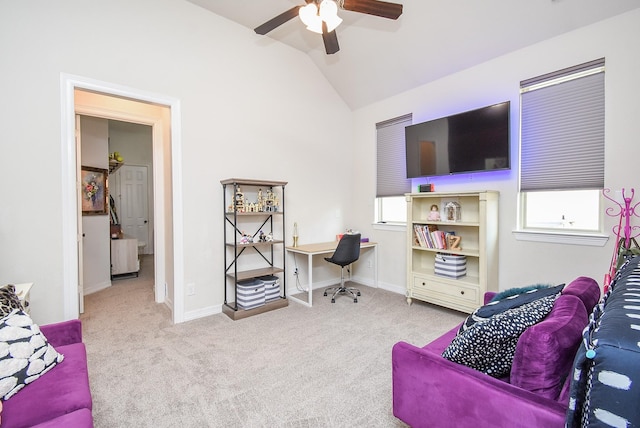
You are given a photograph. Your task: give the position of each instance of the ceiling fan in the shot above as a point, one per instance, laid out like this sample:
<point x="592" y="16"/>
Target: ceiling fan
<point x="321" y="17"/>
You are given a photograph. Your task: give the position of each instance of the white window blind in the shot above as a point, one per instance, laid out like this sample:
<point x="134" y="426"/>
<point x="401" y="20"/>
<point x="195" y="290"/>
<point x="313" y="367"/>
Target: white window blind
<point x="562" y="129"/>
<point x="391" y="162"/>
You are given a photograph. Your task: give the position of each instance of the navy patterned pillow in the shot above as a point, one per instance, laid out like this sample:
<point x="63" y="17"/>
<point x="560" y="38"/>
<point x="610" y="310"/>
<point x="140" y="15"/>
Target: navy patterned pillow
<point x="489" y="346"/>
<point x="25" y="353"/>
<point x="512" y="301"/>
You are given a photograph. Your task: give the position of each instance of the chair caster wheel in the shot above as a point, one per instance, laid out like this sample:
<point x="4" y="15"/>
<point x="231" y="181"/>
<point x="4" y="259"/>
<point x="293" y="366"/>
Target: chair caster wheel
<point x="333" y="300"/>
<point x="355" y="300"/>
<point x="359" y="293"/>
<point x="325" y="293"/>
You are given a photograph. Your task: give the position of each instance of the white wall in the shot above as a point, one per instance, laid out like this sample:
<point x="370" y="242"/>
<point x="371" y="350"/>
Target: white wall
<point x="256" y="110"/>
<point x="249" y="109"/>
<point x="95" y="228"/>
<point x="521" y="263"/>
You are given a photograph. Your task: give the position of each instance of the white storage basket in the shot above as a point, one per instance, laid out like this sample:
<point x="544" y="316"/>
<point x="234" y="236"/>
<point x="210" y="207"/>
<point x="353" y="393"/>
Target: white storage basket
<point x="251" y="294"/>
<point x="450" y="265"/>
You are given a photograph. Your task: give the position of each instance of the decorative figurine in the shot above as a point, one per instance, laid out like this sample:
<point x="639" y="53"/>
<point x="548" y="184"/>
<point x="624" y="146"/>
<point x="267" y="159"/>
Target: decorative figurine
<point x="269" y="237"/>
<point x="239" y="200"/>
<point x="246" y="239"/>
<point x="453" y="211"/>
<point x="434" y="214"/>
<point x="454" y="242"/>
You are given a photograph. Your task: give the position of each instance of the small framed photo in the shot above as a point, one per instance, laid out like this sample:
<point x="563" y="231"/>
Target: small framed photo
<point x="93" y="191"/>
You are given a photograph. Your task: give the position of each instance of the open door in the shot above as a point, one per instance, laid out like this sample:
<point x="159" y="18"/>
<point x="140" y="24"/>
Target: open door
<point x="79" y="214"/>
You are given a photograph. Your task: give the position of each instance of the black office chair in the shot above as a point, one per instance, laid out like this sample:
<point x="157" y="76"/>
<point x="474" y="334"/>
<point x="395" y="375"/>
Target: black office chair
<point x="347" y="252"/>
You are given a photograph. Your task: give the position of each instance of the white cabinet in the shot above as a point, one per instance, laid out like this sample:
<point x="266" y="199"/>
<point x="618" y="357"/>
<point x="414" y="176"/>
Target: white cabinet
<point x="477" y="230"/>
<point x="124" y="256"/>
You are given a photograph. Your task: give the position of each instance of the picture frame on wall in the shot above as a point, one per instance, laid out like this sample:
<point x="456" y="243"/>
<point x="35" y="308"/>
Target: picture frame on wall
<point x="94" y="191"/>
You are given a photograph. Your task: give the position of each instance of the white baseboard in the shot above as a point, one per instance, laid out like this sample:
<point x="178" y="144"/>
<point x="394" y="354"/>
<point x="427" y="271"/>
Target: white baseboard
<point x="292" y="290"/>
<point x="201" y="313"/>
<point x="94" y="288"/>
<point x="394" y="288"/>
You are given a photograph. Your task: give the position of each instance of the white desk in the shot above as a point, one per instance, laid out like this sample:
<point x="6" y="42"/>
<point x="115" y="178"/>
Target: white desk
<point x="311" y="250"/>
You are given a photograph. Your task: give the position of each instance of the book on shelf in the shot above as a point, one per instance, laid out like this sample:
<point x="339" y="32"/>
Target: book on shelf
<point x="428" y="236"/>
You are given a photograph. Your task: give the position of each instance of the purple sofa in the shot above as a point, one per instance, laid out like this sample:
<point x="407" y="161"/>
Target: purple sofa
<point x="61" y="397"/>
<point x="430" y="391"/>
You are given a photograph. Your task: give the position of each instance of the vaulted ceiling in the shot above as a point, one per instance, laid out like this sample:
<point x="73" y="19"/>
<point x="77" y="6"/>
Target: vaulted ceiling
<point x="379" y="58"/>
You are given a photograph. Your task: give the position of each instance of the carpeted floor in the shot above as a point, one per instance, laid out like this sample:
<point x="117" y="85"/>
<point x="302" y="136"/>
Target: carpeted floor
<point x="326" y="366"/>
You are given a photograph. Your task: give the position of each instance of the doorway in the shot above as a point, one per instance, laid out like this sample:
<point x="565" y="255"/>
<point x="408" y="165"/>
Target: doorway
<point x="78" y="96"/>
<point x="131" y="182"/>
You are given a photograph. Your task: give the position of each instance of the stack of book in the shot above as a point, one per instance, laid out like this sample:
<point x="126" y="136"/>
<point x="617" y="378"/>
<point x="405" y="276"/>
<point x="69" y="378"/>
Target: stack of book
<point x="429" y="237"/>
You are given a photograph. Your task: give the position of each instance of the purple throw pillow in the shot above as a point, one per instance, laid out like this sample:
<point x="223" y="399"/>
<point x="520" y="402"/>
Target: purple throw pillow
<point x="545" y="352"/>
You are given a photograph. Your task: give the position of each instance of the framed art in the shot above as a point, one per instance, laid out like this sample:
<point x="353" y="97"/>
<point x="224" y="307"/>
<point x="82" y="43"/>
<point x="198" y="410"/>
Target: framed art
<point x="93" y="190"/>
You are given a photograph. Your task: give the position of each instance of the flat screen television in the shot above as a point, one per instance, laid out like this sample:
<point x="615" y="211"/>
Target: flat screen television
<point x="473" y="141"/>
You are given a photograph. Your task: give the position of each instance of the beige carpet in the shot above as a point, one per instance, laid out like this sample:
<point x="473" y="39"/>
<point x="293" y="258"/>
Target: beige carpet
<point x="326" y="366"/>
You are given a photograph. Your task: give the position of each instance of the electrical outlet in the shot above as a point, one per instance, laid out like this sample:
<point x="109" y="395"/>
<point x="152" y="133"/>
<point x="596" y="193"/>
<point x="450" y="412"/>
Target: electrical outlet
<point x="191" y="289"/>
<point x="295" y="272"/>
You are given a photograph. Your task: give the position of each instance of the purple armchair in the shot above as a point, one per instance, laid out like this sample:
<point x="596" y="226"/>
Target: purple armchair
<point x="61" y="397"/>
<point x="430" y="391"/>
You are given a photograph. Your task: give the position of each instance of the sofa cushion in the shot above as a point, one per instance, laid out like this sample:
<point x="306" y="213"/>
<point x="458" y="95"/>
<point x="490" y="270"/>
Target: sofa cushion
<point x="25" y="354"/>
<point x="9" y="300"/>
<point x="545" y="351"/>
<point x="606" y="371"/>
<point x="586" y="289"/>
<point x="512" y="301"/>
<point x="64" y="389"/>
<point x="489" y="346"/>
<point x="79" y="419"/>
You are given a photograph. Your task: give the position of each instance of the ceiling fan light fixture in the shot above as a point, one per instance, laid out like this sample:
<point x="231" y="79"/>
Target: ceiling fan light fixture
<point x="312" y="17"/>
<point x="329" y="14"/>
<point x="309" y="15"/>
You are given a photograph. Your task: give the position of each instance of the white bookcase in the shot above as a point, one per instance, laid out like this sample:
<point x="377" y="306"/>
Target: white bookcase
<point x="477" y="229"/>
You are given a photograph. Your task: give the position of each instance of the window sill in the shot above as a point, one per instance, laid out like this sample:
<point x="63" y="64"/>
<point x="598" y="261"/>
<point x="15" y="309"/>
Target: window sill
<point x="573" y="238"/>
<point x="397" y="227"/>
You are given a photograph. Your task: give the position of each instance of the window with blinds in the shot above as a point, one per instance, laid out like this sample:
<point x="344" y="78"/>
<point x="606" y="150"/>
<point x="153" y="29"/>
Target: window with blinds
<point x="562" y="148"/>
<point x="391" y="177"/>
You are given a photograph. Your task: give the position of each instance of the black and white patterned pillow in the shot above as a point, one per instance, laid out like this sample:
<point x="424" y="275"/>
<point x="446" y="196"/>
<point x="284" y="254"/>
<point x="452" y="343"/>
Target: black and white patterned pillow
<point x="9" y="300"/>
<point x="25" y="353"/>
<point x="489" y="346"/>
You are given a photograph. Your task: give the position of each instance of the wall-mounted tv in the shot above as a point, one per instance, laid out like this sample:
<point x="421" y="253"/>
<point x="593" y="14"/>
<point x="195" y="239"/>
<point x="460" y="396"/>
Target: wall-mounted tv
<point x="473" y="141"/>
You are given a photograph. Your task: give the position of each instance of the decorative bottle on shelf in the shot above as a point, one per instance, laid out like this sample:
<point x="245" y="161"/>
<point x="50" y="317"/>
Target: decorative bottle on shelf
<point x="295" y="234"/>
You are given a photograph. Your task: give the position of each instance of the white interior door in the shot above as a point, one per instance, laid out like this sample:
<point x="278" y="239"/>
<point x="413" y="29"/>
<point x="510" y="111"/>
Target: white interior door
<point x="79" y="214"/>
<point x="133" y="207"/>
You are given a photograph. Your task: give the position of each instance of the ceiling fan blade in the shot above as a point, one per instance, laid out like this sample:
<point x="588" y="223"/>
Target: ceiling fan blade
<point x="277" y="21"/>
<point x="374" y="7"/>
<point x="330" y="40"/>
